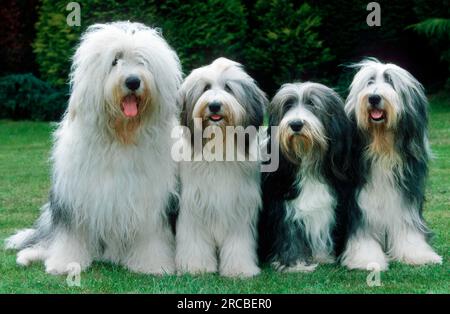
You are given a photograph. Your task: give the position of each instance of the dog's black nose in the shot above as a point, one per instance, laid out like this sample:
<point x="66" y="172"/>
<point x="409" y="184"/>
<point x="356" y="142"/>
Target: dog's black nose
<point x="296" y="125"/>
<point x="374" y="99"/>
<point x="133" y="82"/>
<point x="214" y="106"/>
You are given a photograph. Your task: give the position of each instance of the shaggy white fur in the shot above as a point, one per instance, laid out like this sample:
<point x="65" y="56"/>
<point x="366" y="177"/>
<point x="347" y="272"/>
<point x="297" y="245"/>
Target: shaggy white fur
<point x="112" y="171"/>
<point x="220" y="200"/>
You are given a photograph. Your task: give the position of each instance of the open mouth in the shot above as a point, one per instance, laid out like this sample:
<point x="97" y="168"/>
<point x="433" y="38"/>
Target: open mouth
<point x="130" y="105"/>
<point x="215" y="117"/>
<point x="377" y="115"/>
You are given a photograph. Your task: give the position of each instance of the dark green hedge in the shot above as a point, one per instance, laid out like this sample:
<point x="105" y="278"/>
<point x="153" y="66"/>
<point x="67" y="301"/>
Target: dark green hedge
<point x="277" y="40"/>
<point x="56" y="42"/>
<point x="284" y="45"/>
<point x="201" y="31"/>
<point x="23" y="96"/>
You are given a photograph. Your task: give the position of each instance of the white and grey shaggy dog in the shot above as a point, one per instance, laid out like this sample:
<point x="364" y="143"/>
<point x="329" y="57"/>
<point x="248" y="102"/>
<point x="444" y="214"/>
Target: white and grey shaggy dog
<point x="220" y="200"/>
<point x="389" y="110"/>
<point x="304" y="215"/>
<point x="113" y="176"/>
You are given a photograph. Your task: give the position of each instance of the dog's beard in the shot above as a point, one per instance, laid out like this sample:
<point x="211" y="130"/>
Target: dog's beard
<point x="379" y="125"/>
<point x="127" y="112"/>
<point x="369" y="118"/>
<point x="218" y="122"/>
<point x="307" y="146"/>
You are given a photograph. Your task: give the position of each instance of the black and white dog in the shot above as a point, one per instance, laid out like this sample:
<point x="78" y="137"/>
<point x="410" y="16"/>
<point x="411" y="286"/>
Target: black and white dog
<point x="389" y="110"/>
<point x="220" y="199"/>
<point x="303" y="219"/>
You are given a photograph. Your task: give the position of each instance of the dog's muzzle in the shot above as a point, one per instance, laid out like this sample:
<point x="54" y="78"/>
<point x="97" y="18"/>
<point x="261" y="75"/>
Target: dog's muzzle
<point x="376" y="110"/>
<point x="215" y="109"/>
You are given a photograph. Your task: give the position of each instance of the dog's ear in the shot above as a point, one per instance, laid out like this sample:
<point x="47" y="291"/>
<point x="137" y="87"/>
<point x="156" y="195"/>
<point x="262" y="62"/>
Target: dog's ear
<point x="189" y="93"/>
<point x="411" y="133"/>
<point x="255" y="101"/>
<point x="338" y="129"/>
<point x="258" y="101"/>
<point x="412" y="136"/>
<point x="275" y="108"/>
<point x="181" y="103"/>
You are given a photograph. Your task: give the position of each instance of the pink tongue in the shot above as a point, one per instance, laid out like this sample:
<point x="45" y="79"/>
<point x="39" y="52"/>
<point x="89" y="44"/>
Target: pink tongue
<point x="130" y="106"/>
<point x="376" y="114"/>
<point x="216" y="117"/>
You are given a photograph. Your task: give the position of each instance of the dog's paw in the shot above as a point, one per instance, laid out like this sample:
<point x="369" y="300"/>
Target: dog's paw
<point x="61" y="265"/>
<point x="17" y="240"/>
<point x="195" y="264"/>
<point x="56" y="266"/>
<point x="364" y="254"/>
<point x="422" y="258"/>
<point x="26" y="256"/>
<point x="324" y="259"/>
<point x="365" y="263"/>
<point x="241" y="272"/>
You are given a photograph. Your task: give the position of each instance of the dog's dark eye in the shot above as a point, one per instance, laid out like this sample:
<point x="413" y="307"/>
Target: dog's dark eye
<point x="309" y="103"/>
<point x="207" y="87"/>
<point x="114" y="63"/>
<point x="371" y="81"/>
<point x="228" y="89"/>
<point x="388" y="79"/>
<point x="288" y="105"/>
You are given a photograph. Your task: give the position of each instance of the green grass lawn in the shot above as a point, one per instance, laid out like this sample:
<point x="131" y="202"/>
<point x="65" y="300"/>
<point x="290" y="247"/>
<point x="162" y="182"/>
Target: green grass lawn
<point x="24" y="184"/>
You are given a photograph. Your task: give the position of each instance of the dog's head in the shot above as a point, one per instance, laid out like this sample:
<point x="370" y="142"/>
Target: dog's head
<point x="385" y="101"/>
<point x="221" y="94"/>
<point x="311" y="123"/>
<point x="124" y="73"/>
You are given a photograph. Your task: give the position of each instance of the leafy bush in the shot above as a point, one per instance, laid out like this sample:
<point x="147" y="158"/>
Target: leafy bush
<point x="346" y="33"/>
<point x="23" y="96"/>
<point x="56" y="41"/>
<point x="285" y="46"/>
<point x="434" y="24"/>
<point x="276" y="40"/>
<point x="201" y="31"/>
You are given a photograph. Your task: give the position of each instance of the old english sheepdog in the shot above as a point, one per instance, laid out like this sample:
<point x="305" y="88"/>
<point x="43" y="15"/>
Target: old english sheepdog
<point x="113" y="178"/>
<point x="389" y="110"/>
<point x="220" y="200"/>
<point x="303" y="218"/>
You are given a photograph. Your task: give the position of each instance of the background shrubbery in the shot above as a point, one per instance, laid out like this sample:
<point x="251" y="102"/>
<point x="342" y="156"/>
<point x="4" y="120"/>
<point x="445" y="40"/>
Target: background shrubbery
<point x="200" y="31"/>
<point x="285" y="45"/>
<point x="23" y="96"/>
<point x="277" y="41"/>
<point x="56" y="42"/>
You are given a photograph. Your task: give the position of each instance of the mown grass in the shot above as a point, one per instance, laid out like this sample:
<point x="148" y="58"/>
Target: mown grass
<point x="24" y="184"/>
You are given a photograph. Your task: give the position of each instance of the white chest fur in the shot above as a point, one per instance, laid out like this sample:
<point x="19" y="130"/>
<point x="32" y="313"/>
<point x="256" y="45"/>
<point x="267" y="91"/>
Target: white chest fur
<point x="315" y="207"/>
<point x="381" y="202"/>
<point x="113" y="190"/>
<point x="221" y="193"/>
